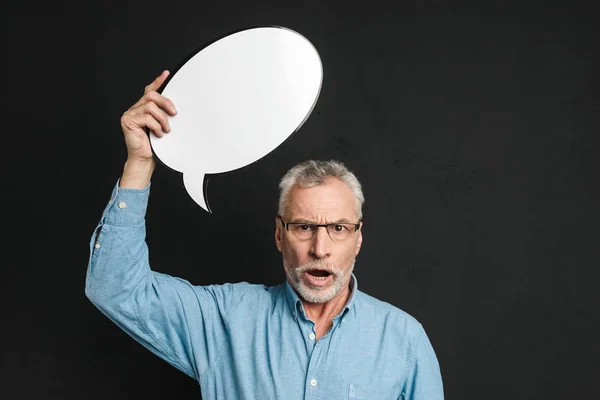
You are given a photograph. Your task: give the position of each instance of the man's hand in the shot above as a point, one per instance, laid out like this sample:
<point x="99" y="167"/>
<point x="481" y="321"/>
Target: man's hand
<point x="152" y="112"/>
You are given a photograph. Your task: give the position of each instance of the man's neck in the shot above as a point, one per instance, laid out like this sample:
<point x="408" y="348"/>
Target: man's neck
<point x="322" y="314"/>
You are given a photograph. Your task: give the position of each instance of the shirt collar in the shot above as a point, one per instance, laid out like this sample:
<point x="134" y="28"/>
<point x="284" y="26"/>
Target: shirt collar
<point x="296" y="306"/>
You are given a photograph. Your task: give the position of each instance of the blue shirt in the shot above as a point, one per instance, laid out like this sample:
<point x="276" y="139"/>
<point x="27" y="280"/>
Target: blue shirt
<point x="247" y="341"/>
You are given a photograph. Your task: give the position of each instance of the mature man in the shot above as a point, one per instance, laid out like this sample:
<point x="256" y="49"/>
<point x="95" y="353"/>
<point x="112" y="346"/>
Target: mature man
<point x="316" y="336"/>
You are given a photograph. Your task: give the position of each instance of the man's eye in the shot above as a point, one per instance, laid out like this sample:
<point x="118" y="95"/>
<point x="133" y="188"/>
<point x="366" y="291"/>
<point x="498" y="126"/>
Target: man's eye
<point x="339" y="228"/>
<point x="304" y="228"/>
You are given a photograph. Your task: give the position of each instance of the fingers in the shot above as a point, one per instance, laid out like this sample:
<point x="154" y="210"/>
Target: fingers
<point x="147" y="115"/>
<point x="160" y="100"/>
<point x="151" y="111"/>
<point x="152" y="124"/>
<point x="157" y="82"/>
<point x="157" y="113"/>
<point x="133" y="123"/>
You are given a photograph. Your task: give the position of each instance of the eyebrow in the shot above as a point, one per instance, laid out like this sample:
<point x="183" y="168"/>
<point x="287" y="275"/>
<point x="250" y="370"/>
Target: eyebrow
<point x="339" y="221"/>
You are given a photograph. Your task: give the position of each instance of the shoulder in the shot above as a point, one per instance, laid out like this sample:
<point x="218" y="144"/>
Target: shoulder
<point x="386" y="314"/>
<point x="245" y="292"/>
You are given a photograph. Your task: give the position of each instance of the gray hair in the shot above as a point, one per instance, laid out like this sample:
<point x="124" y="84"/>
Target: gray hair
<point x="314" y="173"/>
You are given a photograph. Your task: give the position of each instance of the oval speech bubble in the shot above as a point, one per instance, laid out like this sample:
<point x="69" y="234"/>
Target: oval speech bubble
<point x="237" y="99"/>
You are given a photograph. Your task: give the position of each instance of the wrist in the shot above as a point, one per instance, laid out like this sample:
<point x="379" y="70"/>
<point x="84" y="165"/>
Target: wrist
<point x="137" y="173"/>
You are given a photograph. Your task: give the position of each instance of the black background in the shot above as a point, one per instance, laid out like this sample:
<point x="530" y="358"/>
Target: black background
<point x="473" y="127"/>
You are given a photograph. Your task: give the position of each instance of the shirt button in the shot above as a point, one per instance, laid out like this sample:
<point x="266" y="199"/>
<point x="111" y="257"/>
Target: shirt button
<point x="313" y="383"/>
<point x="311" y="336"/>
<point x="97" y="245"/>
<point x="122" y="204"/>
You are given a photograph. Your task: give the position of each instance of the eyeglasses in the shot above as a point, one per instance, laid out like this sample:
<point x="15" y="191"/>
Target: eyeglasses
<point x="337" y="231"/>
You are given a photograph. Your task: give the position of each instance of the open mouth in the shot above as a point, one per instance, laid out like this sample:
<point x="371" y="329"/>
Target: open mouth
<point x="318" y="278"/>
<point x="319" y="273"/>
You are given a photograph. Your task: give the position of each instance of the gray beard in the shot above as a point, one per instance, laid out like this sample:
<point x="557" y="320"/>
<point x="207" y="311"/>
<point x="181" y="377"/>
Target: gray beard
<point x="314" y="294"/>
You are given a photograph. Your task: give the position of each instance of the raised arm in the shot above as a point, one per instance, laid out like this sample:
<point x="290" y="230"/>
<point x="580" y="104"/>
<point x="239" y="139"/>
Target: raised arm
<point x="182" y="323"/>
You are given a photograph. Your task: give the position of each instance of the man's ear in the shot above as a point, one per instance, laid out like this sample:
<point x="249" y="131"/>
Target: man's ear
<point x="278" y="233"/>
<point x="359" y="239"/>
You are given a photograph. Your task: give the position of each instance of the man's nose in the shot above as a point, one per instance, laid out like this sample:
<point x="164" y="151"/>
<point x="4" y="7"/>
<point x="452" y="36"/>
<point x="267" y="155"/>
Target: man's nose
<point x="321" y="243"/>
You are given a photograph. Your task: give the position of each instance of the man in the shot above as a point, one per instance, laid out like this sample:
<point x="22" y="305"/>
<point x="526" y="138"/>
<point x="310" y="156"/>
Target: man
<point x="316" y="336"/>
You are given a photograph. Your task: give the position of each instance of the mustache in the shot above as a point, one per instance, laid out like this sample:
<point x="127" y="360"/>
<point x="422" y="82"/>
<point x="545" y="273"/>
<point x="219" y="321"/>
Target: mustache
<point x="318" y="264"/>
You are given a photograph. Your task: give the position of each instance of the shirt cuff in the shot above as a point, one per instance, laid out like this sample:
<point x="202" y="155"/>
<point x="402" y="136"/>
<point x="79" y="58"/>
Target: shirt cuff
<point x="127" y="207"/>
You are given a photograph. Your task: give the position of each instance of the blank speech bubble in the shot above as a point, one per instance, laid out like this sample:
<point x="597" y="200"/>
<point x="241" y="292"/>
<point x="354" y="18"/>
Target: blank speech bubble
<point x="237" y="99"/>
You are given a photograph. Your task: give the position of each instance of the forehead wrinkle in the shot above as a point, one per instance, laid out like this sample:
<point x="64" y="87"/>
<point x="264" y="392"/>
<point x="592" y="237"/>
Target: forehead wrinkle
<point x="328" y="203"/>
<point x="317" y="217"/>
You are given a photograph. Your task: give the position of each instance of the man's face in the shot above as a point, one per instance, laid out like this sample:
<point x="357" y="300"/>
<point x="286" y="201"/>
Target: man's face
<point x="319" y="269"/>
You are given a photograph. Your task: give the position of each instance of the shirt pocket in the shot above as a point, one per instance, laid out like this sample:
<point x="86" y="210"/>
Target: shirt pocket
<point x="364" y="392"/>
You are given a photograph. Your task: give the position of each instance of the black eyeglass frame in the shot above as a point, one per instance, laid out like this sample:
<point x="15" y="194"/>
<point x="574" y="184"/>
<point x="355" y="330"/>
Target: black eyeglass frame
<point x="287" y="224"/>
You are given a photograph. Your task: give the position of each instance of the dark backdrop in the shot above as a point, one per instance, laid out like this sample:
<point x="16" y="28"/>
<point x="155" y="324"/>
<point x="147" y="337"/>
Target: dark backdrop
<point x="473" y="128"/>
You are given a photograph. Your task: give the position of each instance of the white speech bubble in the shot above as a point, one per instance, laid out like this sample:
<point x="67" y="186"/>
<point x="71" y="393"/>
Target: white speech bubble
<point x="237" y="99"/>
